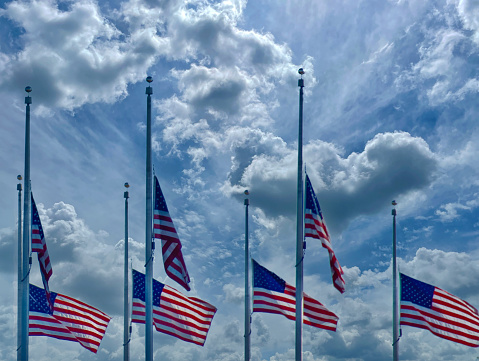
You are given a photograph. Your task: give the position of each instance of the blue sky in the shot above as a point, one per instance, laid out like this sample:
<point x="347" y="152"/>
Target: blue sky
<point x="389" y="113"/>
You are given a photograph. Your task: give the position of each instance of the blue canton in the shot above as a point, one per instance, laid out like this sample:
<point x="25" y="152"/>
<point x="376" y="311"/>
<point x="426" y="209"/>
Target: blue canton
<point x="139" y="288"/>
<point x="416" y="291"/>
<point x="263" y="278"/>
<point x="38" y="300"/>
<point x="160" y="203"/>
<point x="36" y="218"/>
<point x="311" y="200"/>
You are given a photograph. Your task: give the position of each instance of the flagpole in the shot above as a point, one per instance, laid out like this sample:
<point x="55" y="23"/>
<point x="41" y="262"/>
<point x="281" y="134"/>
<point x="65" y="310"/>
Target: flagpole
<point x="395" y="291"/>
<point x="20" y="272"/>
<point x="299" y="230"/>
<point x="247" y="311"/>
<point x="25" y="280"/>
<point x="126" y="320"/>
<point x="149" y="243"/>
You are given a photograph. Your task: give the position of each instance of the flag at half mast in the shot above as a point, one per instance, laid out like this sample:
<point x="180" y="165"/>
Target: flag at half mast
<point x="40" y="246"/>
<point x="66" y="318"/>
<point x="433" y="309"/>
<point x="315" y="227"/>
<point x="272" y="294"/>
<point x="187" y="318"/>
<point x="164" y="230"/>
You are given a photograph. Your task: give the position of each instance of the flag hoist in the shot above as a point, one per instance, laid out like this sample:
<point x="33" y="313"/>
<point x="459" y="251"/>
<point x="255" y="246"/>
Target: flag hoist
<point x="299" y="230"/>
<point x="149" y="229"/>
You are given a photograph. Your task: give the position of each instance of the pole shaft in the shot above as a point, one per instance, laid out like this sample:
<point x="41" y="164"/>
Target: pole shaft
<point x="26" y="237"/>
<point x="247" y="311"/>
<point x="299" y="234"/>
<point x="20" y="272"/>
<point x="395" y="295"/>
<point x="126" y="317"/>
<point x="149" y="250"/>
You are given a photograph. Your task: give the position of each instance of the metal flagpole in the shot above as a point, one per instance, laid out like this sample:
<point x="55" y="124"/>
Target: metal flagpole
<point x="247" y="311"/>
<point x="20" y="271"/>
<point x="126" y="317"/>
<point x="395" y="291"/>
<point x="149" y="243"/>
<point x="299" y="231"/>
<point x="26" y="234"/>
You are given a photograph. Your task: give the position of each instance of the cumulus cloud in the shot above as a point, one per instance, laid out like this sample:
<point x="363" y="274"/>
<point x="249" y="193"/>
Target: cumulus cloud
<point x="392" y="164"/>
<point x="75" y="56"/>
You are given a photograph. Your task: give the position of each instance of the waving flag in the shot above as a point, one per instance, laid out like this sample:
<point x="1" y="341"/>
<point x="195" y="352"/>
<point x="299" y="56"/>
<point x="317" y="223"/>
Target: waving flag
<point x="187" y="318"/>
<point x="40" y="246"/>
<point x="272" y="294"/>
<point x="315" y="227"/>
<point x="69" y="319"/>
<point x="443" y="314"/>
<point x="164" y="230"/>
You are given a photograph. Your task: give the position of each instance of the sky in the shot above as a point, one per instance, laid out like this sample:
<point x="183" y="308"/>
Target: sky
<point x="390" y="108"/>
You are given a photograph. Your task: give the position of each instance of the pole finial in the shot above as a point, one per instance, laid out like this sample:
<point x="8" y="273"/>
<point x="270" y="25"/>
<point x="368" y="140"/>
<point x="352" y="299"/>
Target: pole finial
<point x="127" y="185"/>
<point x="301" y="81"/>
<point x="28" y="89"/>
<point x="149" y="79"/>
<point x="19" y="177"/>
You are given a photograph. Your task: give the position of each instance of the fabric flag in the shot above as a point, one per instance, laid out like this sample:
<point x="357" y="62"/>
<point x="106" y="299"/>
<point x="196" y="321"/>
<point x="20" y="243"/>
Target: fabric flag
<point x="443" y="314"/>
<point x="272" y="294"/>
<point x="164" y="230"/>
<point x="40" y="246"/>
<point x="69" y="319"/>
<point x="315" y="227"/>
<point x="187" y="318"/>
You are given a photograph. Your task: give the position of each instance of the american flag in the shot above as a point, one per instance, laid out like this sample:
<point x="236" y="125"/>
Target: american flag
<point x="272" y="294"/>
<point x="40" y="246"/>
<point x="187" y="318"/>
<point x="443" y="314"/>
<point x="69" y="319"/>
<point x="164" y="230"/>
<point x="315" y="227"/>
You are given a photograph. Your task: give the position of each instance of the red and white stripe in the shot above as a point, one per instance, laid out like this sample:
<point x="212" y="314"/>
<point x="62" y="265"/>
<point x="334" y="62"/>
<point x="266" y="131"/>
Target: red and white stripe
<point x="72" y="320"/>
<point x="315" y="227"/>
<point x="164" y="230"/>
<point x="450" y="318"/>
<point x="187" y="318"/>
<point x="314" y="313"/>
